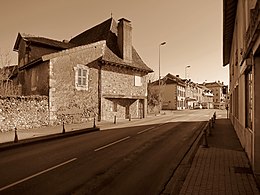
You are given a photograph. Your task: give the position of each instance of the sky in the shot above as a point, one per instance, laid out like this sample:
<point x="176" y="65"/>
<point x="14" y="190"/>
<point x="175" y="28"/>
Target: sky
<point x="192" y="30"/>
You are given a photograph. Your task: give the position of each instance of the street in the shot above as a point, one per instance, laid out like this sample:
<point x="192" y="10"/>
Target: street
<point x="135" y="158"/>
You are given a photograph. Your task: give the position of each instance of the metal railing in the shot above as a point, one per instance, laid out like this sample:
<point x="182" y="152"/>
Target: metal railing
<point x="207" y="130"/>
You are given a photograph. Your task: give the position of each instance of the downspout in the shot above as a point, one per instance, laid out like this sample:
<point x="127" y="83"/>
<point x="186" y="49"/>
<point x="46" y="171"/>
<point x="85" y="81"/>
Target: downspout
<point x="99" y="91"/>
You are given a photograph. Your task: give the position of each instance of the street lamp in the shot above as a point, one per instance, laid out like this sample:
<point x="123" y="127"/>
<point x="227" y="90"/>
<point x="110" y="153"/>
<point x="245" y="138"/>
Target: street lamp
<point x="159" y="81"/>
<point x="186" y="71"/>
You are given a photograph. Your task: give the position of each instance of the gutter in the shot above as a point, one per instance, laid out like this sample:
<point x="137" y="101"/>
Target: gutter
<point x="32" y="63"/>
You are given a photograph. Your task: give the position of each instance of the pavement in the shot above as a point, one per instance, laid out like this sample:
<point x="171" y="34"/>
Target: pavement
<point x="221" y="168"/>
<point x="25" y="136"/>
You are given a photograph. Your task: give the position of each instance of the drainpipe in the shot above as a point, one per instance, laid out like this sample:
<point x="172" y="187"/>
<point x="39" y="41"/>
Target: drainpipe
<point x="99" y="92"/>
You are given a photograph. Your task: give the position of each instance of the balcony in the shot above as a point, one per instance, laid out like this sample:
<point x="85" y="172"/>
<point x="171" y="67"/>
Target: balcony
<point x="253" y="30"/>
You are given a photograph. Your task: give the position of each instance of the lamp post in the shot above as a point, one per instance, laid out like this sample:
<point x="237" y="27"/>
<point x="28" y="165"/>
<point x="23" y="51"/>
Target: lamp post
<point x="186" y="71"/>
<point x="159" y="81"/>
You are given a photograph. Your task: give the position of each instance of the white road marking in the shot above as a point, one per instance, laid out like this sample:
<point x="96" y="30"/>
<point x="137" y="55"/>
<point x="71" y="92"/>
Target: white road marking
<point x="145" y="130"/>
<point x="113" y="143"/>
<point x="37" y="174"/>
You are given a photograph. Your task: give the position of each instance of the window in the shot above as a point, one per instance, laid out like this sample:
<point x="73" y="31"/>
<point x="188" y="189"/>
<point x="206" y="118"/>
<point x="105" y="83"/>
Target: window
<point x="138" y="80"/>
<point x="81" y="77"/>
<point x="249" y="99"/>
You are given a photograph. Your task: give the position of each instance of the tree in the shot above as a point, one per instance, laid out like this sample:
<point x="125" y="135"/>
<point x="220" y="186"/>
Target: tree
<point x="153" y="96"/>
<point x="7" y="73"/>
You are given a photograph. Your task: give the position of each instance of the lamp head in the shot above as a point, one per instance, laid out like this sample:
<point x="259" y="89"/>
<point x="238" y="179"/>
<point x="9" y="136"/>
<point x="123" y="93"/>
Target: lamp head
<point x="163" y="43"/>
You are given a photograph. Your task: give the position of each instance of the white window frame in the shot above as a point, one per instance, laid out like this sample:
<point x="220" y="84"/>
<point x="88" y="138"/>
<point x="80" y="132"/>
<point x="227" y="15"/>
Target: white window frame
<point x="138" y="81"/>
<point x="79" y="78"/>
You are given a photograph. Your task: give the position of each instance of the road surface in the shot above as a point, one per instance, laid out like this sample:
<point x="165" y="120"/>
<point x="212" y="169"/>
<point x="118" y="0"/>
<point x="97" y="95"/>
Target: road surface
<point x="135" y="158"/>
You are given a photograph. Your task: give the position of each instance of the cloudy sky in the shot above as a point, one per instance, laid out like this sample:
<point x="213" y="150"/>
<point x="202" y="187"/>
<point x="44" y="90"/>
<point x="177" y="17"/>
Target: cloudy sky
<point x="192" y="29"/>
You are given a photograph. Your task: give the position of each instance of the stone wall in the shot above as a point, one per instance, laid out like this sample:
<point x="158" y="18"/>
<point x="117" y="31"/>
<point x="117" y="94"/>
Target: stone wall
<point x="119" y="89"/>
<point x="66" y="101"/>
<point x="23" y="112"/>
<point x="121" y="81"/>
<point x="125" y="108"/>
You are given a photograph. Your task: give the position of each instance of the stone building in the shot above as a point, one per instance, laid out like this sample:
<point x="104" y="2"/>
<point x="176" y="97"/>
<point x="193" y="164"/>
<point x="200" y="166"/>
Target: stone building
<point x="98" y="73"/>
<point x="241" y="51"/>
<point x="219" y="98"/>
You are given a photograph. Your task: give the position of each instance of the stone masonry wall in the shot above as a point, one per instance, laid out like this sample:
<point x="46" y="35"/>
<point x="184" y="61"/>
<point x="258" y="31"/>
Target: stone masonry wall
<point x="121" y="81"/>
<point x="118" y="87"/>
<point x="67" y="103"/>
<point x="23" y="112"/>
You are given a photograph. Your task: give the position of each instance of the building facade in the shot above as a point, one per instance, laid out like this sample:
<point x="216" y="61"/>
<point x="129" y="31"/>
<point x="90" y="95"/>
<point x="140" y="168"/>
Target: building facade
<point x="179" y="94"/>
<point x="172" y="92"/>
<point x="219" y="98"/>
<point x="98" y="73"/>
<point x="241" y="51"/>
<point x="191" y="94"/>
<point x="207" y="98"/>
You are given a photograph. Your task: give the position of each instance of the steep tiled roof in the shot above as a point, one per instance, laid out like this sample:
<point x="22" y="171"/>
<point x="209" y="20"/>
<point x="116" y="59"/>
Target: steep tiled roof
<point x="95" y="34"/>
<point x="170" y="79"/>
<point x="50" y="42"/>
<point x="174" y="78"/>
<point x="107" y="31"/>
<point x="137" y="63"/>
<point x="42" y="41"/>
<point x="214" y="84"/>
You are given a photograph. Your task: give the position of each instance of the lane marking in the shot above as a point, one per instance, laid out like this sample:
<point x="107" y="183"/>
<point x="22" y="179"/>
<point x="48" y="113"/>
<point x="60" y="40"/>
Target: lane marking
<point x="140" y="132"/>
<point x="113" y="143"/>
<point x="37" y="174"/>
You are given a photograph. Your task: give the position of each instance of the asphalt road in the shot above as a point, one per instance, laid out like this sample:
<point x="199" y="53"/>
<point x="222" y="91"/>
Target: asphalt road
<point x="136" y="158"/>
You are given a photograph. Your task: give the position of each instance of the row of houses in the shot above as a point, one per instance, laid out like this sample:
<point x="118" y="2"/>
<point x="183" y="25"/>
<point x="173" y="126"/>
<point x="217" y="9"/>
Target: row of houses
<point x="178" y="94"/>
<point x="241" y="52"/>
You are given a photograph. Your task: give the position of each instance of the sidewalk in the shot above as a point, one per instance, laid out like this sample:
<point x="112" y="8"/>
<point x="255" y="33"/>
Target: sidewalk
<point x="223" y="167"/>
<point x="41" y="132"/>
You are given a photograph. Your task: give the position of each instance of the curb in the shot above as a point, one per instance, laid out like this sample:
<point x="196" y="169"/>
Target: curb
<point x="30" y="141"/>
<point x="175" y="183"/>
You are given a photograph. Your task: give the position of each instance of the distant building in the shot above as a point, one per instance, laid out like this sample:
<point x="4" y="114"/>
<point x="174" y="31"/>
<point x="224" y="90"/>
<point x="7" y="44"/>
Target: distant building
<point x="207" y="97"/>
<point x="241" y="51"/>
<point x="219" y="98"/>
<point x="191" y="94"/>
<point x="172" y="92"/>
<point x="179" y="94"/>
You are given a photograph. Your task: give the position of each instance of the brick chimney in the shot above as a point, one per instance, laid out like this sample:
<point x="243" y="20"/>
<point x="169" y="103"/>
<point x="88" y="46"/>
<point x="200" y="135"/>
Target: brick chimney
<point x="124" y="39"/>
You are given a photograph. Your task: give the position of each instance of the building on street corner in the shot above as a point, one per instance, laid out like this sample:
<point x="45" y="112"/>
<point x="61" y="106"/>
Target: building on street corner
<point x="97" y="73"/>
<point x="241" y="51"/>
<point x="207" y="97"/>
<point x="219" y="94"/>
<point x="172" y="92"/>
